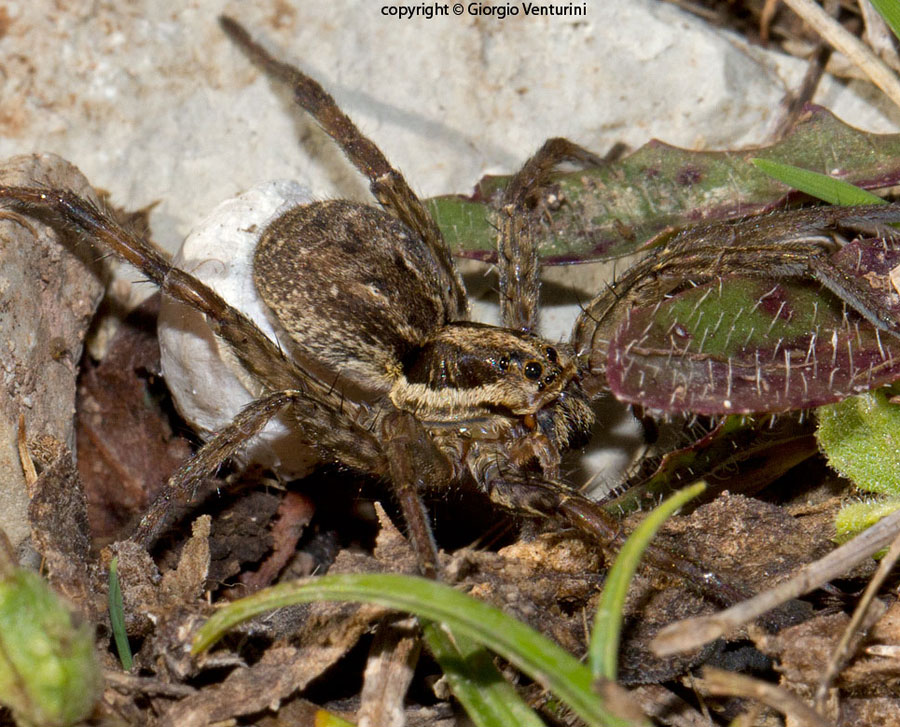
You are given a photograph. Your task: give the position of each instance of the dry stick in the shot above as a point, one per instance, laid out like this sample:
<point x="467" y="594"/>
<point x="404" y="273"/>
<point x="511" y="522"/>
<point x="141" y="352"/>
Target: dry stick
<point x="730" y="684"/>
<point x="389" y="671"/>
<point x="695" y="632"/>
<point x="848" y="44"/>
<point x="878" y="35"/>
<point x="132" y="684"/>
<point x="794" y="102"/>
<point x="857" y="626"/>
<point x="765" y="19"/>
<point x="667" y="707"/>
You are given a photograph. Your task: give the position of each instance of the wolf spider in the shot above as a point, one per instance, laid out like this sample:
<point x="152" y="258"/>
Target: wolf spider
<point x="385" y="373"/>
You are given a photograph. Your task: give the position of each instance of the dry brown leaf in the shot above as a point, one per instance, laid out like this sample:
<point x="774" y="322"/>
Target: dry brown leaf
<point x="126" y="448"/>
<point x="59" y="528"/>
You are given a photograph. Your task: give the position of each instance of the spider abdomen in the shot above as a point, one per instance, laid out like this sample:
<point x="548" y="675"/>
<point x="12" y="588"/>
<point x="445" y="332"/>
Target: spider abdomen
<point x="354" y="289"/>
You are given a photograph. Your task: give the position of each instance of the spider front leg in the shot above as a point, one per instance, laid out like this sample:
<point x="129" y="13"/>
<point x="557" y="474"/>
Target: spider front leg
<point x="518" y="265"/>
<point x="416" y="465"/>
<point x="555" y="500"/>
<point x="860" y="297"/>
<point x="789" y="244"/>
<point x="516" y="488"/>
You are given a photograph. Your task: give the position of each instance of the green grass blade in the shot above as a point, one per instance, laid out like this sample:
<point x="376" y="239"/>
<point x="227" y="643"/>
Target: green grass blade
<point x="489" y="700"/>
<point x="821" y="186"/>
<point x="603" y="652"/>
<point x="323" y="718"/>
<point x="534" y="655"/>
<point x="890" y="11"/>
<point x="117" y="616"/>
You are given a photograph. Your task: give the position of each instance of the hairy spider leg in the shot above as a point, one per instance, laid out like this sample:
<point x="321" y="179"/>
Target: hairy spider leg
<point x="387" y="184"/>
<point x="338" y="428"/>
<point x="793" y="244"/>
<point x="518" y="265"/>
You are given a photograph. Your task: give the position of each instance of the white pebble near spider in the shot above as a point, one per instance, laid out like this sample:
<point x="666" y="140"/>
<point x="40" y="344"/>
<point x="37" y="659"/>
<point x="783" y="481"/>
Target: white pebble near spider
<point x="209" y="386"/>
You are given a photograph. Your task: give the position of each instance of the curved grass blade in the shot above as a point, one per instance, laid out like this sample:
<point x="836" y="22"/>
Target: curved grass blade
<point x="327" y="719"/>
<point x="538" y="657"/>
<point x="117" y="616"/>
<point x="820" y="186"/>
<point x="603" y="653"/>
<point x="489" y="700"/>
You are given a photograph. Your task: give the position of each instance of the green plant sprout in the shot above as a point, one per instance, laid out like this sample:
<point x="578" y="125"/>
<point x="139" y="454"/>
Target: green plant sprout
<point x="117" y="617"/>
<point x="49" y="673"/>
<point x="860" y="436"/>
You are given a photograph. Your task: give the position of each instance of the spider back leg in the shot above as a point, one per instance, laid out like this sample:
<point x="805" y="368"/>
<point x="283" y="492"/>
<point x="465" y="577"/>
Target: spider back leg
<point x="387" y="184"/>
<point x="257" y="353"/>
<point x="338" y="428"/>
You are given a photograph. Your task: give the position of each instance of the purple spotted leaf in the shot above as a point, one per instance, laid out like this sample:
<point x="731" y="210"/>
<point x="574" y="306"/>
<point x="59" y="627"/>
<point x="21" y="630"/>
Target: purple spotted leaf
<point x="743" y="344"/>
<point x="614" y="210"/>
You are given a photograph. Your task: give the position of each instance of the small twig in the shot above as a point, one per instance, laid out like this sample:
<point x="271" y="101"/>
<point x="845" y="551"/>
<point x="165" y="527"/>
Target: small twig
<point x="888" y="651"/>
<point x="659" y="702"/>
<point x="695" y="632"/>
<point x="862" y="620"/>
<point x="793" y="103"/>
<point x="848" y="44"/>
<point x="24" y="456"/>
<point x="389" y="671"/>
<point x="765" y="19"/>
<point x="132" y="684"/>
<point x="726" y="683"/>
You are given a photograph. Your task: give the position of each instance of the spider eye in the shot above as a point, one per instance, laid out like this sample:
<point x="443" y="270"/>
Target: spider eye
<point x="533" y="370"/>
<point x="551" y="354"/>
<point x="503" y="363"/>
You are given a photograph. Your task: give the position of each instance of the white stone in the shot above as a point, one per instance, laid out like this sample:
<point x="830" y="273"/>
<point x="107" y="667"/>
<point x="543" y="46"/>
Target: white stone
<point x="208" y="384"/>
